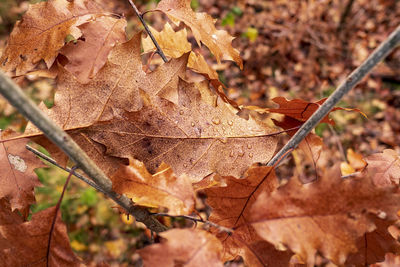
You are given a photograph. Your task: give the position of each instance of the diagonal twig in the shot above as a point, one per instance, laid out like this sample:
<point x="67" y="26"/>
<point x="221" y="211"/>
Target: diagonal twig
<point x="16" y="97"/>
<point x="351" y="81"/>
<point x="147" y="29"/>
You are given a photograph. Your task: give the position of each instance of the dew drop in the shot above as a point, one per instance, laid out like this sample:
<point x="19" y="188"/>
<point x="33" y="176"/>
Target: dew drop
<point x="232" y="154"/>
<point x="216" y="121"/>
<point x="223" y="140"/>
<point x="230" y="123"/>
<point x="249" y="146"/>
<point x="181" y="112"/>
<point x="192" y="124"/>
<point x="240" y="153"/>
<point x="185" y="165"/>
<point x="250" y="155"/>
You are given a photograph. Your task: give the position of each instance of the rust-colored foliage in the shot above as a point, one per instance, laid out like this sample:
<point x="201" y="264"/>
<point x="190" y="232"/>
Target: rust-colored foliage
<point x="184" y="247"/>
<point x="384" y="167"/>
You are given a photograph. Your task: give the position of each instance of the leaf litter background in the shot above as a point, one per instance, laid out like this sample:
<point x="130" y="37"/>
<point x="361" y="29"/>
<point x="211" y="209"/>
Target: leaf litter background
<point x="292" y="49"/>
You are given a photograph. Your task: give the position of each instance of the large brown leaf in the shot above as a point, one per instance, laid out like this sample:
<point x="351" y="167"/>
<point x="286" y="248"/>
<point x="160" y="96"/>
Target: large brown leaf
<point x="231" y="207"/>
<point x="327" y="216"/>
<point x="203" y="28"/>
<point x="162" y="189"/>
<point x="391" y="260"/>
<point x="184" y="247"/>
<point x="200" y="136"/>
<point x="42" y="32"/>
<point x="17" y="179"/>
<point x="26" y="243"/>
<point x="384" y="167"/>
<point x="86" y="57"/>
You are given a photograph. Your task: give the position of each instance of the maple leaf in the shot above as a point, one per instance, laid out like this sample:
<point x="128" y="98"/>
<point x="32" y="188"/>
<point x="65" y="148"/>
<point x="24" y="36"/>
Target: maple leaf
<point x="184" y="247"/>
<point x="231" y="207"/>
<point x="162" y="189"/>
<point x="26" y="243"/>
<point x="384" y="167"/>
<point x="42" y="31"/>
<point x="18" y="178"/>
<point x="200" y="136"/>
<point x="314" y="218"/>
<point x="203" y="28"/>
<point x="86" y="57"/>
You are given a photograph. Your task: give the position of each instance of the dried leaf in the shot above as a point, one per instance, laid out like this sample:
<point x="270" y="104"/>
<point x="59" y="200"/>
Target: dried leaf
<point x="86" y="57"/>
<point x="203" y="28"/>
<point x="184" y="247"/>
<point x="384" y="167"/>
<point x="315" y="218"/>
<point x="26" y="243"/>
<point x="42" y="31"/>
<point x="162" y="189"/>
<point x="231" y="207"/>
<point x="391" y="260"/>
<point x="18" y="178"/>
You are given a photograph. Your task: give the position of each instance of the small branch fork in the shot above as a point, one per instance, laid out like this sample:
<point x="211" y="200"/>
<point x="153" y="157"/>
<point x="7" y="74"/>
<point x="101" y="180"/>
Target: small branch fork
<point x="351" y="81"/>
<point x="147" y="29"/>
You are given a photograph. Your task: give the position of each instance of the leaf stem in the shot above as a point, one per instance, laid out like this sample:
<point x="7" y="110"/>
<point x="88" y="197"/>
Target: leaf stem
<point x="351" y="81"/>
<point x="16" y="97"/>
<point x="140" y="16"/>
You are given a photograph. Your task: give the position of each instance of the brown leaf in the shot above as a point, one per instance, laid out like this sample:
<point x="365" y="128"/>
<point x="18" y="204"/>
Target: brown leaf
<point x="18" y="178"/>
<point x="184" y="247"/>
<point x="384" y="167"/>
<point x="26" y="243"/>
<point x="327" y="216"/>
<point x="391" y="260"/>
<point x="86" y="57"/>
<point x="42" y="31"/>
<point x="201" y="136"/>
<point x="203" y="28"/>
<point x="231" y="207"/>
<point x="162" y="189"/>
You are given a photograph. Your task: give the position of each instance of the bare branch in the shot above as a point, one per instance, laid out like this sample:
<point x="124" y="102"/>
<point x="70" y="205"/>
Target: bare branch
<point x="351" y="81"/>
<point x="29" y="110"/>
<point x="140" y="16"/>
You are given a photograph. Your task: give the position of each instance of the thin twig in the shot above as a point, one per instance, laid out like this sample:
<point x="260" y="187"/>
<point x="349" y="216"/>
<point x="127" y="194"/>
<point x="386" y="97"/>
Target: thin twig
<point x="15" y="96"/>
<point x="351" y="81"/>
<point x="140" y="16"/>
<point x="52" y="161"/>
<point x="219" y="227"/>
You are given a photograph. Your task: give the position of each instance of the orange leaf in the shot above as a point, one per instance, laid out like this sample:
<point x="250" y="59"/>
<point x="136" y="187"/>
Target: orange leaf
<point x="384" y="167"/>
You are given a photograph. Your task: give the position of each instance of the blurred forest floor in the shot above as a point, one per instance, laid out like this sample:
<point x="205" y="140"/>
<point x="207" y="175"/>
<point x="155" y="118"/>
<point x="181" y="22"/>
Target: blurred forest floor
<point x="294" y="49"/>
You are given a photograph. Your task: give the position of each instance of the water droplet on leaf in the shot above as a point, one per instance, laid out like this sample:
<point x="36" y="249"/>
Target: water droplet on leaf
<point x="216" y="121"/>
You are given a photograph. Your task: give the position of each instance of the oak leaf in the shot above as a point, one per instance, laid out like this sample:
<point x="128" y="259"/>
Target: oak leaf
<point x="315" y="218"/>
<point x="203" y="28"/>
<point x="18" y="178"/>
<point x="26" y="243"/>
<point x="86" y="57"/>
<point x="384" y="167"/>
<point x="42" y="32"/>
<point x="391" y="260"/>
<point x="162" y="189"/>
<point x="184" y="247"/>
<point x="231" y="208"/>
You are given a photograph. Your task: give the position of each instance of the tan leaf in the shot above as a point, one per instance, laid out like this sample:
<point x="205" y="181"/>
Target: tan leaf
<point x="203" y="28"/>
<point x="86" y="57"/>
<point x="391" y="260"/>
<point x="26" y="243"/>
<point x="42" y="31"/>
<point x="231" y="207"/>
<point x="162" y="189"/>
<point x="327" y="216"/>
<point x="18" y="178"/>
<point x="201" y="136"/>
<point x="384" y="167"/>
<point x="184" y="247"/>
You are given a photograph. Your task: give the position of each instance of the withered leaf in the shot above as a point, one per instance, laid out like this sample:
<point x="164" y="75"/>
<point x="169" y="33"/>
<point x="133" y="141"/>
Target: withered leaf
<point x="327" y="216"/>
<point x="162" y="189"/>
<point x="231" y="208"/>
<point x="42" y="31"/>
<point x="86" y="57"/>
<point x="384" y="167"/>
<point x="203" y="28"/>
<point x="18" y="178"/>
<point x="184" y="247"/>
<point x="200" y="136"/>
<point x="391" y="260"/>
<point x="26" y="243"/>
